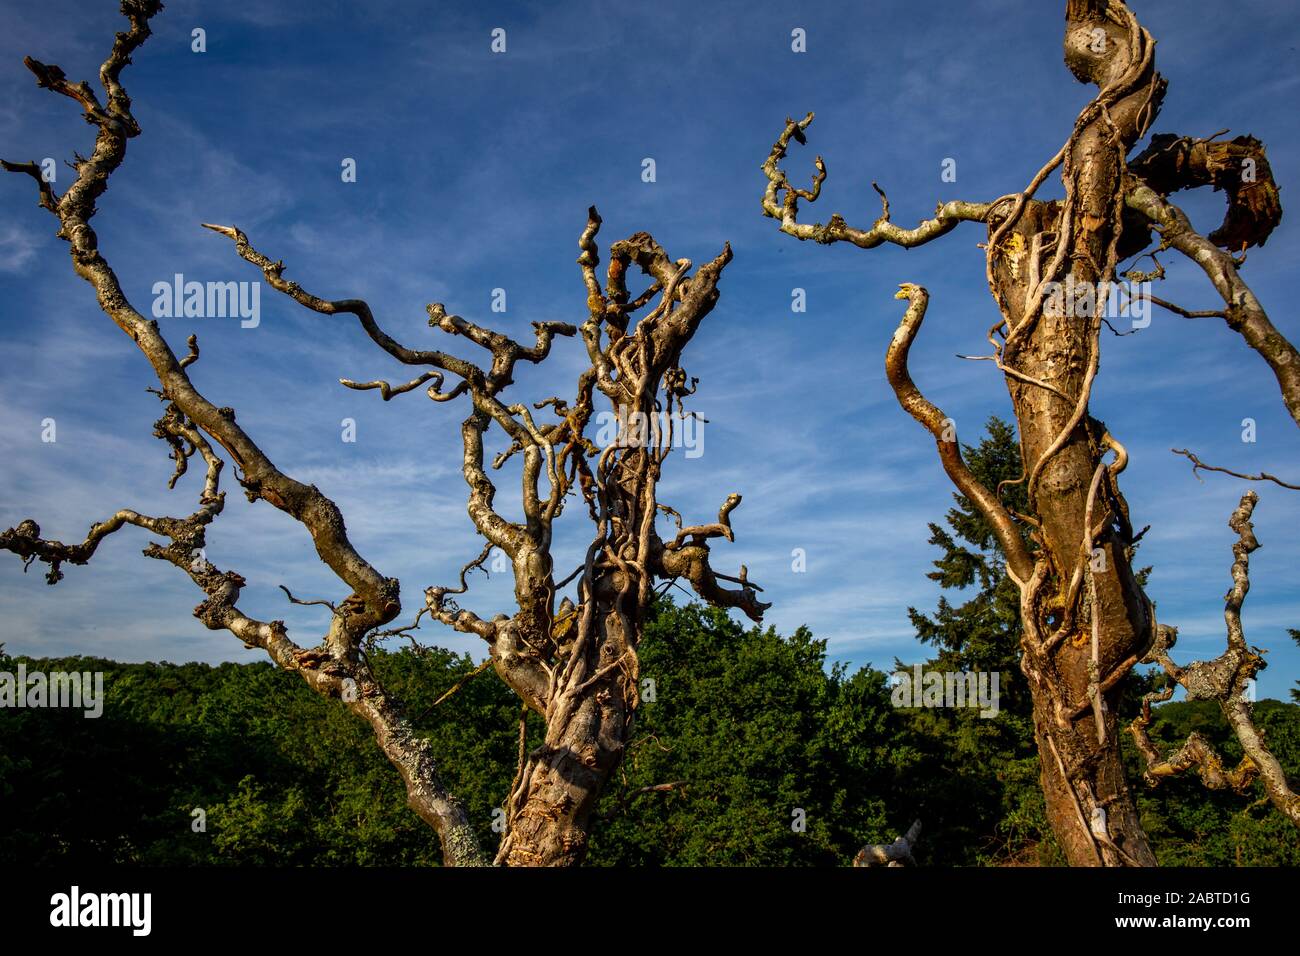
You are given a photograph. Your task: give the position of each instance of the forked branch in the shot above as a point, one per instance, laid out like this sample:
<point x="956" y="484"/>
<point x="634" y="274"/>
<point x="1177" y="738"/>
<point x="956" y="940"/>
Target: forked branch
<point x="785" y="209"/>
<point x="1225" y="680"/>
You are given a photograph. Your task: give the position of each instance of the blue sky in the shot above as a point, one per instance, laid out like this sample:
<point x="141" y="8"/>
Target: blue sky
<point x="474" y="173"/>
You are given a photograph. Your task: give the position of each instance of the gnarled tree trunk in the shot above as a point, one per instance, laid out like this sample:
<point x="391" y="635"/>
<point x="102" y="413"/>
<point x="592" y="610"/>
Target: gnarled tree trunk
<point x="1052" y="269"/>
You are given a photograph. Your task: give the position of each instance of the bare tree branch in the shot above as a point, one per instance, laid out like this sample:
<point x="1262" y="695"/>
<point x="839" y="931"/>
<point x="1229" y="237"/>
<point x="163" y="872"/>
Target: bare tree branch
<point x="374" y="598"/>
<point x="1199" y="466"/>
<point x="1019" y="562"/>
<point x="1225" y="680"/>
<point x="387" y="391"/>
<point x="946" y="216"/>
<point x="1244" y="314"/>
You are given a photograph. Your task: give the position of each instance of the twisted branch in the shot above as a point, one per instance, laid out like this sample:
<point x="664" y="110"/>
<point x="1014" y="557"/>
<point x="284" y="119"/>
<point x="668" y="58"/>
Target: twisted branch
<point x="1020" y="564"/>
<point x="785" y="211"/>
<point x="1224" y="680"/>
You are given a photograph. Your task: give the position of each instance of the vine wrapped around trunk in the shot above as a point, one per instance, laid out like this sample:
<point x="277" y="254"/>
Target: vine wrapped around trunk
<point x="1085" y="619"/>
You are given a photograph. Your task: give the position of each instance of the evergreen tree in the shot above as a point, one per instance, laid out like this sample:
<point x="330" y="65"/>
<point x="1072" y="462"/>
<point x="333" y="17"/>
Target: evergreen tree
<point x="1295" y="691"/>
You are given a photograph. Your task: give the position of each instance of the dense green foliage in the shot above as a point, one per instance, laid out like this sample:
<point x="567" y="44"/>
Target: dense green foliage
<point x="777" y="758"/>
<point x="752" y="722"/>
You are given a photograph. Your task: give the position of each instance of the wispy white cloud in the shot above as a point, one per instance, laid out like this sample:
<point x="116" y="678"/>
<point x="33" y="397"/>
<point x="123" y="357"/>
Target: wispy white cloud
<point x="17" y="248"/>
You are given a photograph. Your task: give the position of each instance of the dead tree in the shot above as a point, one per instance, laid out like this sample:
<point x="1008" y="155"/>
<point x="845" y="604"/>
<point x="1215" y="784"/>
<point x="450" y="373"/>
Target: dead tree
<point x="1085" y="620"/>
<point x="574" y="664"/>
<point x="1225" y="680"/>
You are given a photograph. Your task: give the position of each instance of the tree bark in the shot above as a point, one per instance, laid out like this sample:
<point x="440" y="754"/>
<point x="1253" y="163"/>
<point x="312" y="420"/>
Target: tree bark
<point x="1085" y="616"/>
<point x="584" y="743"/>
